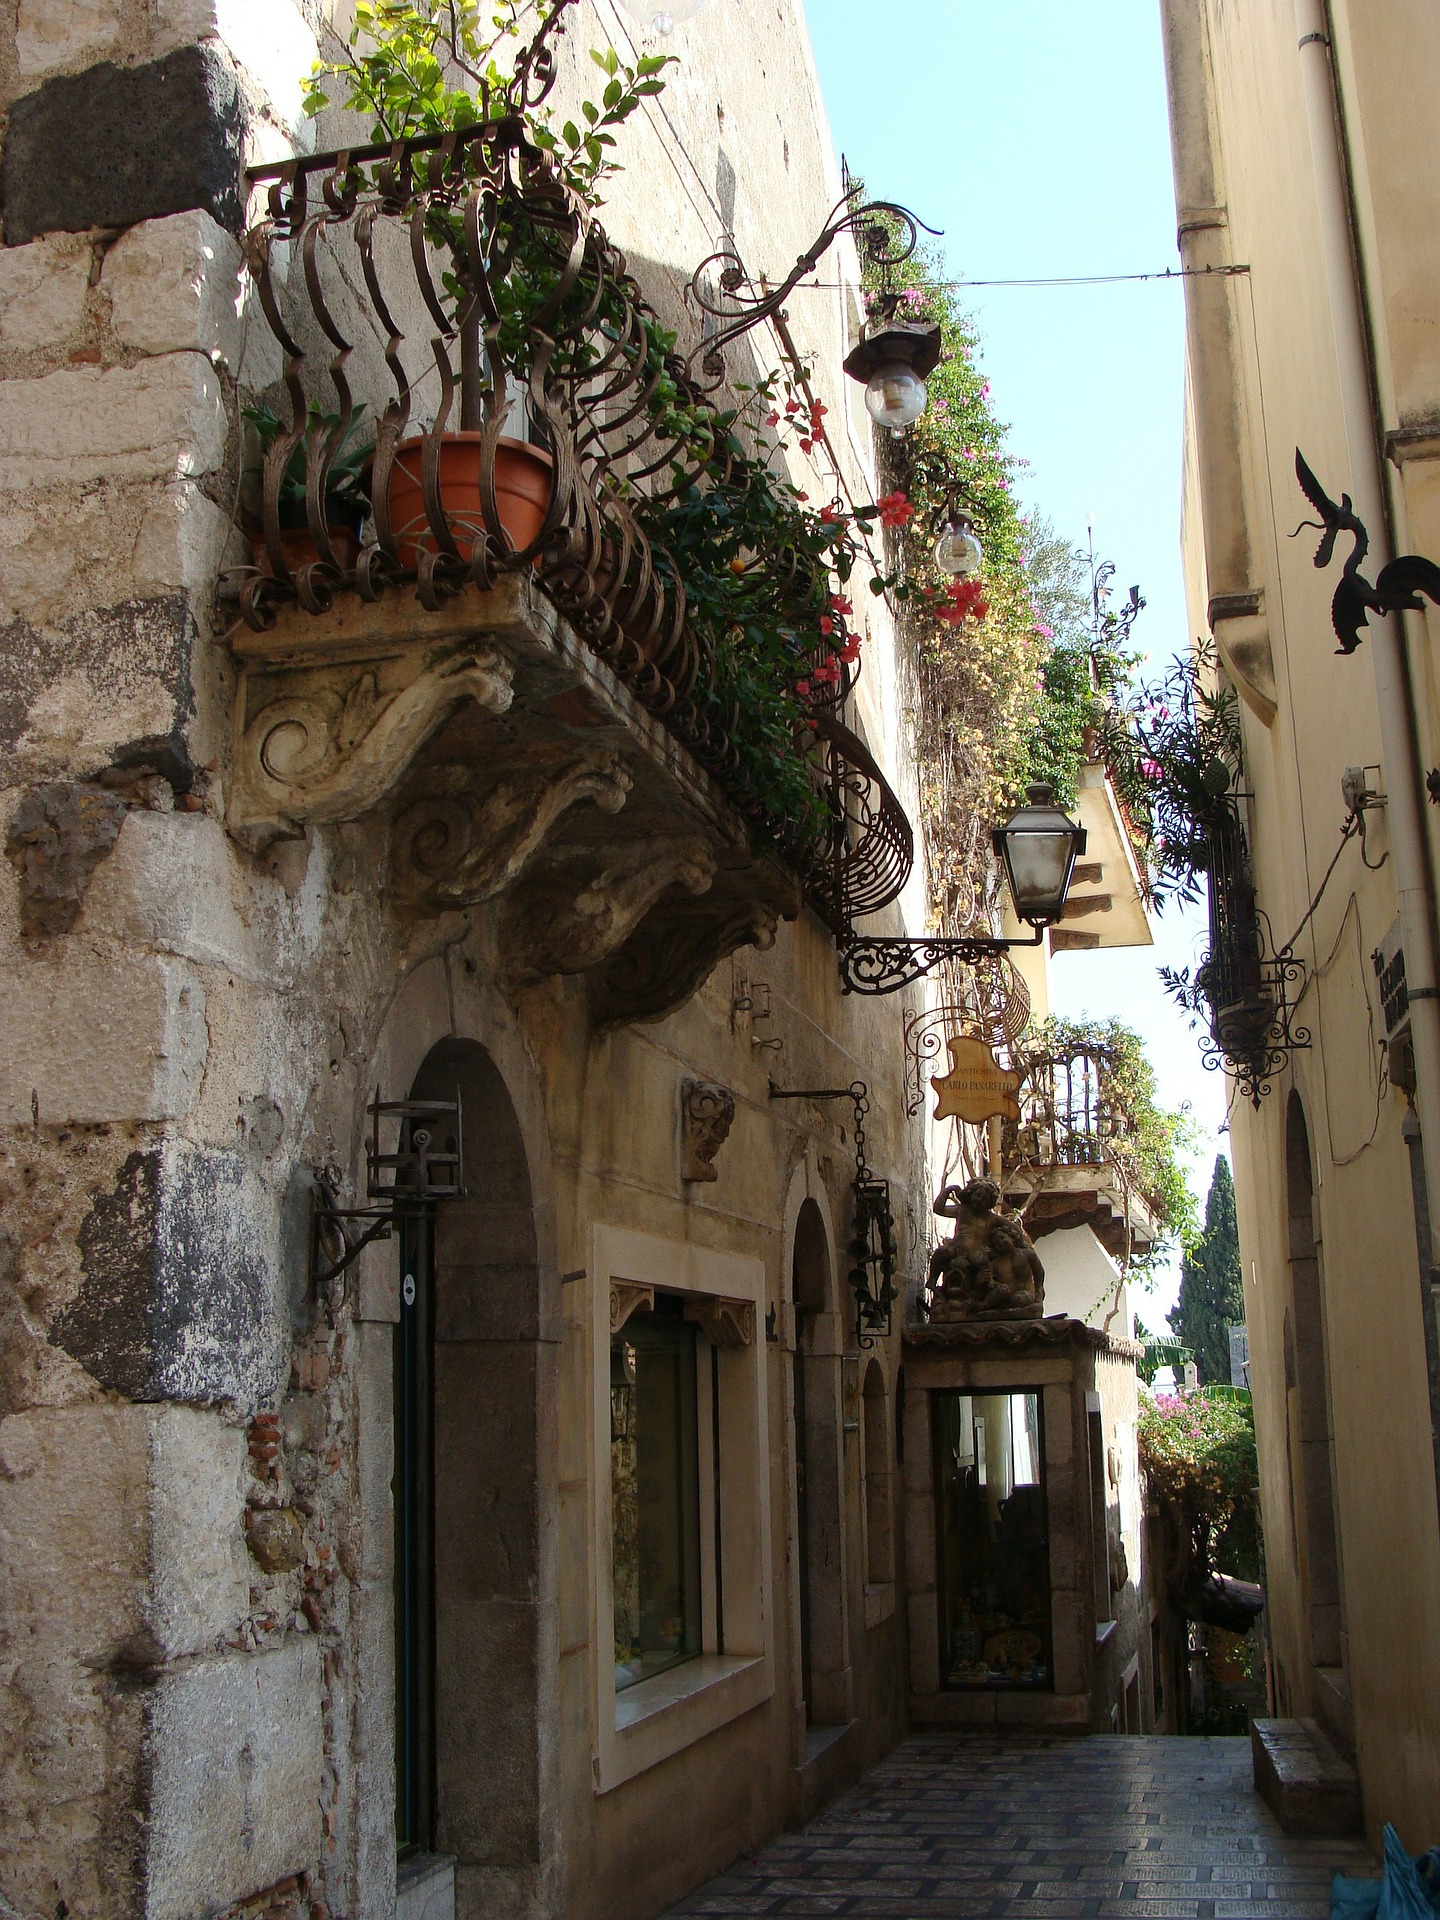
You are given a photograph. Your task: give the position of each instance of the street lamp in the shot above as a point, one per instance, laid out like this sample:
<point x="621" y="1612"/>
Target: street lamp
<point x="957" y="551"/>
<point x="1038" y="846"/>
<point x="892" y="364"/>
<point x="662" y="16"/>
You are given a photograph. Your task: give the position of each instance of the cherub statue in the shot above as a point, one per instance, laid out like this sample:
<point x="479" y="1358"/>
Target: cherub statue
<point x="988" y="1269"/>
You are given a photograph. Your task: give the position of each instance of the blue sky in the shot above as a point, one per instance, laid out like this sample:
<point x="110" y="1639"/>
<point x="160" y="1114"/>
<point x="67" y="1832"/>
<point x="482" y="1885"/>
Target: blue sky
<point x="1034" y="132"/>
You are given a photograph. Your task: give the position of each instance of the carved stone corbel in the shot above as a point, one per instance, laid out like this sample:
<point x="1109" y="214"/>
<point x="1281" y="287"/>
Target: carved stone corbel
<point x="465" y="842"/>
<point x="587" y="903"/>
<point x="324" y="752"/>
<point x="724" y="1323"/>
<point x="676" y="949"/>
<point x="627" y="1297"/>
<point x="706" y="1115"/>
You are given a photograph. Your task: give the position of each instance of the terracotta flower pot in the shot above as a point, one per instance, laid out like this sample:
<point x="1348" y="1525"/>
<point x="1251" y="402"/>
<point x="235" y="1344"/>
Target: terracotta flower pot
<point x="300" y="550"/>
<point x="524" y="488"/>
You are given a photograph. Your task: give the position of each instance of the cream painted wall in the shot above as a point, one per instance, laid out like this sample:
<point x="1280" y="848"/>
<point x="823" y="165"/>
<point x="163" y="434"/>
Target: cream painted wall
<point x="1289" y="396"/>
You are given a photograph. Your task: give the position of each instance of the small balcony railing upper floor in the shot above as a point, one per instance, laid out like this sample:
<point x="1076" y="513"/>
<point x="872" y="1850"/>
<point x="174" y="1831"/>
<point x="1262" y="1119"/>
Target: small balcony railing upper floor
<point x="475" y="392"/>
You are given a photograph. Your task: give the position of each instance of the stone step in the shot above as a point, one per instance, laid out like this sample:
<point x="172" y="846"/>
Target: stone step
<point x="1308" y="1786"/>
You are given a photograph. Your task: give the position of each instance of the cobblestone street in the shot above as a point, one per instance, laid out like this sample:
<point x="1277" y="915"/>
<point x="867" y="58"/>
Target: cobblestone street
<point x="967" y="1825"/>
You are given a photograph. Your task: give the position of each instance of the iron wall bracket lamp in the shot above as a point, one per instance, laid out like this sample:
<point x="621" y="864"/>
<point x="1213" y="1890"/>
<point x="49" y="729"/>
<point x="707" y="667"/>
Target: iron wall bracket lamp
<point x="873" y="1249"/>
<point x="1397" y="587"/>
<point x="1038" y="847"/>
<point x="426" y="1166"/>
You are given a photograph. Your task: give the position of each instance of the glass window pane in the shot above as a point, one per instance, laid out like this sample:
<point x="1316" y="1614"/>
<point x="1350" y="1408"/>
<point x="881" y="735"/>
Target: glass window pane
<point x="654" y="1492"/>
<point x="993" y="1540"/>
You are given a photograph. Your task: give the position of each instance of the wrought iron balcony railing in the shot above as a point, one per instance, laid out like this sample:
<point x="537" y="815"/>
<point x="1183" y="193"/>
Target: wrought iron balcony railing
<point x="530" y="414"/>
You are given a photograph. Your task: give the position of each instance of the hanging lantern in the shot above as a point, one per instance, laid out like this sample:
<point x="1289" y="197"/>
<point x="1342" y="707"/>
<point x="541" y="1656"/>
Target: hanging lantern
<point x="892" y="364"/>
<point x="957" y="551"/>
<point x="1039" y="844"/>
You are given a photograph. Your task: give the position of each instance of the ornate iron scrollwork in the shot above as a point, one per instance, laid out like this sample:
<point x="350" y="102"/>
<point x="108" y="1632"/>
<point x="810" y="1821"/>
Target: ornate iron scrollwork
<point x="426" y="1165"/>
<point x="873" y="1248"/>
<point x="1244" y="989"/>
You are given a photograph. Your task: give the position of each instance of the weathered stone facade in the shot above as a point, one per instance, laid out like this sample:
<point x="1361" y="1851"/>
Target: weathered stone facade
<point x="217" y="944"/>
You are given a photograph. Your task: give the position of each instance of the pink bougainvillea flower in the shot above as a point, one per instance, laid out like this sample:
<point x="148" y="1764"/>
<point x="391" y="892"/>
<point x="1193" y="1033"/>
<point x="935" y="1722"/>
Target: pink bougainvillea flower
<point x="1150" y="769"/>
<point x="894" y="509"/>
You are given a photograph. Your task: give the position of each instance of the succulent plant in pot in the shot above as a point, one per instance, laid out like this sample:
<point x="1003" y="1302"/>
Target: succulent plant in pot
<point x="346" y="501"/>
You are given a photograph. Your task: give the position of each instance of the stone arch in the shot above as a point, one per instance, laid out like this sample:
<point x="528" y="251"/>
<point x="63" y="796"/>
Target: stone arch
<point x="879" y="1514"/>
<point x="488" y="1506"/>
<point x="1308" y="1392"/>
<point x="819" y="1507"/>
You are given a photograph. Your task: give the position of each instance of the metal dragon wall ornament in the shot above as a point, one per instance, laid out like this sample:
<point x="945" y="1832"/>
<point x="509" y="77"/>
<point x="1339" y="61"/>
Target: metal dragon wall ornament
<point x="1397" y="587"/>
<point x="873" y="1247"/>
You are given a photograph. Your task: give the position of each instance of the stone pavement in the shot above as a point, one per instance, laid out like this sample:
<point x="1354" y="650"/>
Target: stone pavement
<point x="972" y="1825"/>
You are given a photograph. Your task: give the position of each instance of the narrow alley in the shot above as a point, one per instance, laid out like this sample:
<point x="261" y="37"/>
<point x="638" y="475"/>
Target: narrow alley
<point x="970" y="1825"/>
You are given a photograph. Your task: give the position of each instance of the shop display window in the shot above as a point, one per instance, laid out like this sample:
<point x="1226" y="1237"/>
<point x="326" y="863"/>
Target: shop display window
<point x="655" y="1492"/>
<point x="993" y="1540"/>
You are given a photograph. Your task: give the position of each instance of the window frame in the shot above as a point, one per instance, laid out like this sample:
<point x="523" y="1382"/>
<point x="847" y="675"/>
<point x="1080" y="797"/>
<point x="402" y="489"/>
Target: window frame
<point x="641" y="1725"/>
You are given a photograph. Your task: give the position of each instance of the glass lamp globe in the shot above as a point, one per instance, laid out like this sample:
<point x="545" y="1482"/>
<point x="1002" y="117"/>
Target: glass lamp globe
<point x="895" y="396"/>
<point x="662" y="16"/>
<point x="1039" y="844"/>
<point x="957" y="551"/>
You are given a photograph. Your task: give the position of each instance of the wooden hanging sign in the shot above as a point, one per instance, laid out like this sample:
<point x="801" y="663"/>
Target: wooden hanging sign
<point x="977" y="1086"/>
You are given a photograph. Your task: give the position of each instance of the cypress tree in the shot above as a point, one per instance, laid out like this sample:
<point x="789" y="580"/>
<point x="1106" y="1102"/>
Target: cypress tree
<point x="1211" y="1296"/>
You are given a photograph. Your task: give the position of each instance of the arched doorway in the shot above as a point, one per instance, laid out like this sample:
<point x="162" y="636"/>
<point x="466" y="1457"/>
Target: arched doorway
<point x="1308" y="1394"/>
<point x="473" y="1383"/>
<point x="819" y="1477"/>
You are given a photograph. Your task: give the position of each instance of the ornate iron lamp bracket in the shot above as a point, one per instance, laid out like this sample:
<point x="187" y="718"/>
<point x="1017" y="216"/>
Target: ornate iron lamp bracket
<point x="720" y="286"/>
<point x="1397" y="587"/>
<point x="425" y="1166"/>
<point x="873" y="1250"/>
<point x="880" y="963"/>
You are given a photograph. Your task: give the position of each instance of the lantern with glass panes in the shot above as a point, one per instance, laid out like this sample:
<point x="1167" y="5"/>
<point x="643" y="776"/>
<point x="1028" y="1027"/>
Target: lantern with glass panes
<point x="1038" y="847"/>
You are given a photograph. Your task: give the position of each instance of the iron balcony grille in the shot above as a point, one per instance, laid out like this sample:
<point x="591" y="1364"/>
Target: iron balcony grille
<point x="348" y="260"/>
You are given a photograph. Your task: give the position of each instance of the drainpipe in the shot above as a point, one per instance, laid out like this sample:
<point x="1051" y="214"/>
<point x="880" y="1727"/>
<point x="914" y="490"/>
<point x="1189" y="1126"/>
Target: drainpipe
<point x="1389" y="655"/>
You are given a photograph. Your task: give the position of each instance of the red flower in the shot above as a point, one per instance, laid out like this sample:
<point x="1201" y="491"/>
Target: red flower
<point x="966" y="600"/>
<point x="817" y="414"/>
<point x="805" y="446"/>
<point x="802" y="687"/>
<point x="894" y="509"/>
<point x="832" y="517"/>
<point x="851" y="649"/>
<point x="827" y="625"/>
<point x="792" y="406"/>
<point x="772" y="419"/>
<point x="838" y="602"/>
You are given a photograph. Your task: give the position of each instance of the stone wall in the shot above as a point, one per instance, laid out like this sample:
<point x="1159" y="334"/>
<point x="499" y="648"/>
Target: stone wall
<point x="196" y="1682"/>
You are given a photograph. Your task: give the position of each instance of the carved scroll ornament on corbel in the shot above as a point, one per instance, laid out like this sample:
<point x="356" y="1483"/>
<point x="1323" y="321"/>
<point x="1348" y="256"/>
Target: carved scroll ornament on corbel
<point x="582" y="908"/>
<point x="464" y="842"/>
<point x="322" y="755"/>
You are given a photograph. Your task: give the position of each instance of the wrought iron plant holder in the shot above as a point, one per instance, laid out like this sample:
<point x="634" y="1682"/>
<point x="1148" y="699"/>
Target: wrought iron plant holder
<point x="403" y="1184"/>
<point x="1398" y="586"/>
<point x="1244" y="988"/>
<point x="873" y="1248"/>
<point x="349" y="260"/>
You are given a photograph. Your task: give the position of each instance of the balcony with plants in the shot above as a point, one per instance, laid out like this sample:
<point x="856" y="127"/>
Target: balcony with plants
<point x="1094" y="1147"/>
<point x="501" y="512"/>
